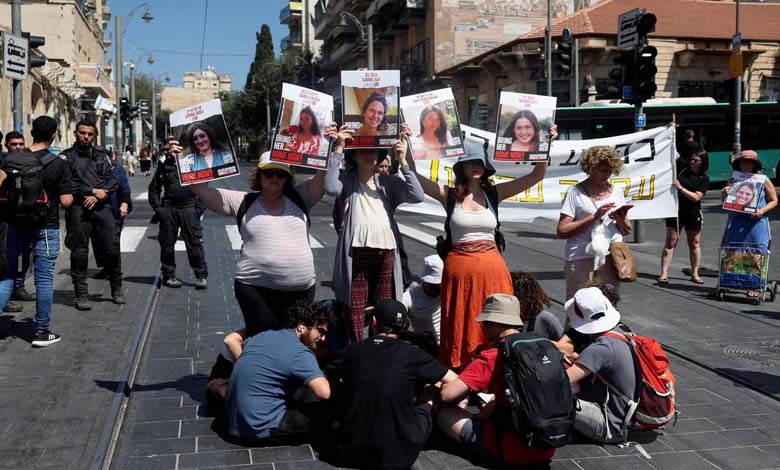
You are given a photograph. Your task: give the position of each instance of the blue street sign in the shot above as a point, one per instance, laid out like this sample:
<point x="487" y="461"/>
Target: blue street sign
<point x="641" y="120"/>
<point x="628" y="92"/>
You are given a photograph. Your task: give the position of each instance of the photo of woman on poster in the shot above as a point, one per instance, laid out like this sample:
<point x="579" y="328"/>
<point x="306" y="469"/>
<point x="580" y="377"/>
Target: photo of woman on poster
<point x="207" y="152"/>
<point x="305" y="136"/>
<point x="743" y="194"/>
<point x="523" y="129"/>
<point x="434" y="131"/>
<point x="374" y="112"/>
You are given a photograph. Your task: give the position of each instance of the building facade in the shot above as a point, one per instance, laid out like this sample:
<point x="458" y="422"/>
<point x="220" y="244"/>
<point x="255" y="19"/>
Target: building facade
<point x="300" y="26"/>
<point x="197" y="87"/>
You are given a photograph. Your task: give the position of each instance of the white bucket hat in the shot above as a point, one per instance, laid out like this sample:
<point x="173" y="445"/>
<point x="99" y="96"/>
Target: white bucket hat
<point x="590" y="312"/>
<point x="431" y="272"/>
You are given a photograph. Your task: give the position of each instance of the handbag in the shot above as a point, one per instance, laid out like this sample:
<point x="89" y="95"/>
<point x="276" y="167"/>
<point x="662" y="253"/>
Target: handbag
<point x="623" y="261"/>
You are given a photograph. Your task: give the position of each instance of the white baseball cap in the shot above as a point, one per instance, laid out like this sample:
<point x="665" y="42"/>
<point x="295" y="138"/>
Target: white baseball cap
<point x="431" y="272"/>
<point x="590" y="312"/>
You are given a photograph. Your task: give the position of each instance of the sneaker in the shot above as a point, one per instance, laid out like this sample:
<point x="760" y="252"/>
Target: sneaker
<point x="201" y="283"/>
<point x="102" y="274"/>
<point x="21" y="294"/>
<point x="117" y="297"/>
<point x="82" y="303"/>
<point x="12" y="307"/>
<point x="41" y="340"/>
<point x="171" y="281"/>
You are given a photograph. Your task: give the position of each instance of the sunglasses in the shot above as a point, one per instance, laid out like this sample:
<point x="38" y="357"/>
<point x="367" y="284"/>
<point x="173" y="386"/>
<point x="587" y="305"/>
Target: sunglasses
<point x="270" y="173"/>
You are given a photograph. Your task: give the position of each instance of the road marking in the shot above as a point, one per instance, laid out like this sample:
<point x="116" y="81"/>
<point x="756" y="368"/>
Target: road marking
<point x="315" y="243"/>
<point x="235" y="236"/>
<point x="434" y="225"/>
<point x="142" y="197"/>
<point x="180" y="246"/>
<point x="418" y="235"/>
<point x="131" y="238"/>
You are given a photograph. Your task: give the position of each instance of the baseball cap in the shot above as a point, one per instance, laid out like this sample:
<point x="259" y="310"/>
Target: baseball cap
<point x="475" y="150"/>
<point x="590" y="312"/>
<point x="431" y="272"/>
<point x="390" y="313"/>
<point x="501" y="308"/>
<point x="265" y="163"/>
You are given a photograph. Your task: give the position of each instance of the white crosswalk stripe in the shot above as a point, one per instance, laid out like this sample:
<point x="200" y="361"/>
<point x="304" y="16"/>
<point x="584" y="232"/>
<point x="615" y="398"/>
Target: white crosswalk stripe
<point x="235" y="238"/>
<point x="131" y="238"/>
<point x="142" y="197"/>
<point x="419" y="235"/>
<point x="180" y="246"/>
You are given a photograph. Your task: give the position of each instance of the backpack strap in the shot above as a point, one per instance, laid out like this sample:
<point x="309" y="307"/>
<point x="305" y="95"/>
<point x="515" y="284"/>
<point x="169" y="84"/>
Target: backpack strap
<point x="249" y="199"/>
<point x="296" y="198"/>
<point x="48" y="158"/>
<point x="631" y="402"/>
<point x="491" y="194"/>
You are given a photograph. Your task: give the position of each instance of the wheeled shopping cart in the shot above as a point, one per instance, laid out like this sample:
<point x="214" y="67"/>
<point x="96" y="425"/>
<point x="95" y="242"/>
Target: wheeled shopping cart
<point x="744" y="268"/>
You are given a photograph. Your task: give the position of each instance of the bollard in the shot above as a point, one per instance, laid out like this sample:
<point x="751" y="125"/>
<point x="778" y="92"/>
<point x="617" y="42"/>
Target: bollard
<point x="639" y="232"/>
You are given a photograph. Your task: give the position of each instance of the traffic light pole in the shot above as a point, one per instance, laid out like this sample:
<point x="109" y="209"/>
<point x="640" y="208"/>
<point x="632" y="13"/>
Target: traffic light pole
<point x="16" y="28"/>
<point x="638" y="226"/>
<point x="738" y="101"/>
<point x="119" y="140"/>
<point x="575" y="51"/>
<point x="154" y="114"/>
<point x="548" y="48"/>
<point x="132" y="106"/>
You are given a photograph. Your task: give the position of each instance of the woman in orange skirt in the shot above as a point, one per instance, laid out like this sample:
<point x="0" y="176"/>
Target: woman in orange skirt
<point x="474" y="268"/>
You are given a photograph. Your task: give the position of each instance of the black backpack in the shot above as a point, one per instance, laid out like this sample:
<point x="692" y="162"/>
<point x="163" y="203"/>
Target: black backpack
<point x="250" y="198"/>
<point x="539" y="401"/>
<point x="22" y="195"/>
<point x="444" y="245"/>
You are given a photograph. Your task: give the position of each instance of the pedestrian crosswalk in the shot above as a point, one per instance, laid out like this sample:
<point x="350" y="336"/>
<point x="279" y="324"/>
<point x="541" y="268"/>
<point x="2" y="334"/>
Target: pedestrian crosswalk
<point x="416" y="234"/>
<point x="142" y="197"/>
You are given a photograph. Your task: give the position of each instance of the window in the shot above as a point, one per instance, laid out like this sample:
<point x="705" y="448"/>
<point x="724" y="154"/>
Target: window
<point x="695" y="88"/>
<point x="561" y="89"/>
<point x="478" y="111"/>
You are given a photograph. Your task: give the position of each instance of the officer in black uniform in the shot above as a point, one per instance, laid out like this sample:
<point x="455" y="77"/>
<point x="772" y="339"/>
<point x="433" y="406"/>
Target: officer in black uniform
<point x="91" y="215"/>
<point x="178" y="210"/>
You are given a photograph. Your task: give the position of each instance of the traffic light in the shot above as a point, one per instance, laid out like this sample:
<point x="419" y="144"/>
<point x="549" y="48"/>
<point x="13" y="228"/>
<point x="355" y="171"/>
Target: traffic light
<point x="124" y="109"/>
<point x="565" y="58"/>
<point x="134" y="113"/>
<point x="645" y="73"/>
<point x="645" y="25"/>
<point x="37" y="59"/>
<point x="143" y="106"/>
<point x="623" y="78"/>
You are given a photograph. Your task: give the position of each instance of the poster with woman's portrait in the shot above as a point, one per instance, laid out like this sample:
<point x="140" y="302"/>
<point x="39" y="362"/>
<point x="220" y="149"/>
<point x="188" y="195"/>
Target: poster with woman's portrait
<point x="304" y="118"/>
<point x="370" y="107"/>
<point x="208" y="153"/>
<point x="523" y="124"/>
<point x="744" y="192"/>
<point x="433" y="117"/>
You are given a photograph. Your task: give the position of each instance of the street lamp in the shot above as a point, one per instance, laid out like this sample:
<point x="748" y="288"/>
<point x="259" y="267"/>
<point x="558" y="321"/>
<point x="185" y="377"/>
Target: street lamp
<point x="346" y="16"/>
<point x="119" y="30"/>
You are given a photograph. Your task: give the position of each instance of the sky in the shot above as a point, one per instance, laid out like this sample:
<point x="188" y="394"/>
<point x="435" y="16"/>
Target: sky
<point x="175" y="35"/>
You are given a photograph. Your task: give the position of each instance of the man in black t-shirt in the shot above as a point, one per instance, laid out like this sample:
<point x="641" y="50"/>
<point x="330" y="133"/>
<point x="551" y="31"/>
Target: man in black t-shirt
<point x="41" y="233"/>
<point x="380" y="426"/>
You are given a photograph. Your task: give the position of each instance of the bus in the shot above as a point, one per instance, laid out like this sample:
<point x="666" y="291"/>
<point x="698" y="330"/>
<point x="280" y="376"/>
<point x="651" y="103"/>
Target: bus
<point x="711" y="122"/>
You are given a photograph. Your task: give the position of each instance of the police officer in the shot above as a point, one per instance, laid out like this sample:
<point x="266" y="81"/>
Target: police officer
<point x="178" y="210"/>
<point x="91" y="215"/>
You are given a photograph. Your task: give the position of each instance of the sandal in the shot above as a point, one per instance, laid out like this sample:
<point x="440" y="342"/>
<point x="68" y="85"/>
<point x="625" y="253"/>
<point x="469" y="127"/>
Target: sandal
<point x="697" y="279"/>
<point x="663" y="279"/>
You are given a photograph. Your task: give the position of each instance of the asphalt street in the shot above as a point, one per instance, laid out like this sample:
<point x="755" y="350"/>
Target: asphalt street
<point x="58" y="404"/>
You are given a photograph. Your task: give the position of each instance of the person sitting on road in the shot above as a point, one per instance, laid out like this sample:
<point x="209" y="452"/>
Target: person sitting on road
<point x="500" y="318"/>
<point x="602" y="416"/>
<point x="272" y="366"/>
<point x="379" y="425"/>
<point x="536" y="319"/>
<point x="422" y="299"/>
<point x="219" y="378"/>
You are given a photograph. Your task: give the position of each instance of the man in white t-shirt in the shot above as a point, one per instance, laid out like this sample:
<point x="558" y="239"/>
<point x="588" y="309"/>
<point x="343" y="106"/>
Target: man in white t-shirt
<point x="422" y="298"/>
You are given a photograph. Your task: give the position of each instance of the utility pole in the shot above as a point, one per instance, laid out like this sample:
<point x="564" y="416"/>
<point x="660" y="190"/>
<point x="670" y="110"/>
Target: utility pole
<point x="119" y="140"/>
<point x="575" y="50"/>
<point x="154" y="114"/>
<point x="548" y="48"/>
<point x="370" y="46"/>
<point x="16" y="29"/>
<point x="736" y="49"/>
<point x="132" y="105"/>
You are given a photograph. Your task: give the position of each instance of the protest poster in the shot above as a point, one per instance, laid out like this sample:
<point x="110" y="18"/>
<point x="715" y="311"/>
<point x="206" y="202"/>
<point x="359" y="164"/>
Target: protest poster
<point x="301" y="128"/>
<point x="207" y="151"/>
<point x="744" y="192"/>
<point x="370" y="107"/>
<point x="433" y="117"/>
<point x="523" y="124"/>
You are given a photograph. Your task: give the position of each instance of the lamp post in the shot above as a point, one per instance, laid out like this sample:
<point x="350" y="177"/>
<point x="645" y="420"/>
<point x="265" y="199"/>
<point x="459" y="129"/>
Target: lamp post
<point x="736" y="49"/>
<point x="131" y="65"/>
<point x="366" y="34"/>
<point x="119" y="30"/>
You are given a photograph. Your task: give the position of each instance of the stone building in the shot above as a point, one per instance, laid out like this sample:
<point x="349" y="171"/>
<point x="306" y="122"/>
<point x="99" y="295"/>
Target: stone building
<point x="75" y="73"/>
<point x="197" y="88"/>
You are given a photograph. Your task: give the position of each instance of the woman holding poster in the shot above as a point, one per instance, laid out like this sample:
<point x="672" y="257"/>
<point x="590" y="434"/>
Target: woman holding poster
<point x="750" y="228"/>
<point x="473" y="268"/>
<point x="523" y="129"/>
<point x="368" y="262"/>
<point x="207" y="151"/>
<point x="305" y="135"/>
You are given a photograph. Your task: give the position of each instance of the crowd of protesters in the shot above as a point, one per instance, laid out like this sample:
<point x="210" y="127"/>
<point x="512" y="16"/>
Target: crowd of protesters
<point x="378" y="371"/>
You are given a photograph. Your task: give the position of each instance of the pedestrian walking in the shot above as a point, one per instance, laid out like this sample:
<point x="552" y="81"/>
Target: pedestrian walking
<point x="130" y="160"/>
<point x="275" y="267"/>
<point x="145" y="161"/>
<point x="368" y="264"/>
<point x="91" y="217"/>
<point x="592" y="206"/>
<point x="177" y="210"/>
<point x="474" y="267"/>
<point x="691" y="184"/>
<point x="38" y="231"/>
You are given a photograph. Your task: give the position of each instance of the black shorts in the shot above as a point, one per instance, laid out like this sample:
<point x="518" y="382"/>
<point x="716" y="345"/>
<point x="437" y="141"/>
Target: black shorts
<point x="687" y="220"/>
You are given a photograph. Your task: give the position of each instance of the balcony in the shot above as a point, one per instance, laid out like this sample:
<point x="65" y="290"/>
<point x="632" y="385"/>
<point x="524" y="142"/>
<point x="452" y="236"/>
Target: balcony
<point x="412" y="13"/>
<point x="93" y="78"/>
<point x="380" y="11"/>
<point x="288" y="41"/>
<point x="323" y="22"/>
<point x="292" y="10"/>
<point x="342" y="52"/>
<point x="414" y="61"/>
<point x="357" y="6"/>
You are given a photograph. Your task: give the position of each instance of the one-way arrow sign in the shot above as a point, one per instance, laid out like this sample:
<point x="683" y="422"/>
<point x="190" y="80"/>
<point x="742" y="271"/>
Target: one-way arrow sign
<point x="15" y="56"/>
